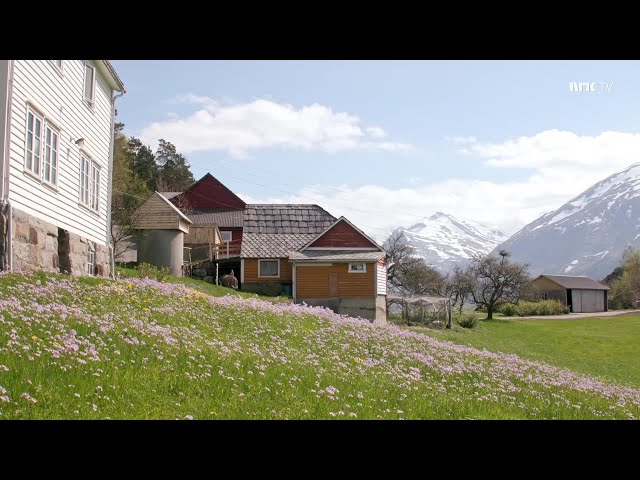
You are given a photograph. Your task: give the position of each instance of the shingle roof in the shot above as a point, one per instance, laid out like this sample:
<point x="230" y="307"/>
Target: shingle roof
<point x="286" y="218"/>
<point x="225" y="218"/>
<point x="272" y="245"/>
<point x="337" y="255"/>
<point x="568" y="281"/>
<point x="169" y="195"/>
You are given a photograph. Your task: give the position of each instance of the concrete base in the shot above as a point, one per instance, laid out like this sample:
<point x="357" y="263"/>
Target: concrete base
<point x="38" y="245"/>
<point x="269" y="289"/>
<point x="374" y="309"/>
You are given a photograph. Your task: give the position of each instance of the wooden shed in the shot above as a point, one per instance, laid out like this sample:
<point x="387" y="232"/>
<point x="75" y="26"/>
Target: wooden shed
<point x="158" y="213"/>
<point x="581" y="294"/>
<point x="162" y="240"/>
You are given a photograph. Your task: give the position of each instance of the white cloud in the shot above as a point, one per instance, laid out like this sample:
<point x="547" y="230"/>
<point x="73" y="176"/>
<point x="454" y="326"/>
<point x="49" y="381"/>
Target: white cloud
<point x="241" y="127"/>
<point x="561" y="164"/>
<point x="376" y="132"/>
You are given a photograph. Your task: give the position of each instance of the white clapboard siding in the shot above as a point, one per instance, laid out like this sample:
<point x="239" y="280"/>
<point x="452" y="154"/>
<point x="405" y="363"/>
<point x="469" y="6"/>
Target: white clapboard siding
<point x="60" y="99"/>
<point x="381" y="280"/>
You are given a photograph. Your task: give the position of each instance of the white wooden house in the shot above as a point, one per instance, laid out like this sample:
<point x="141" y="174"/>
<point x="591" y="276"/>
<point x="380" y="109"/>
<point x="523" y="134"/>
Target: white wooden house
<point x="56" y="159"/>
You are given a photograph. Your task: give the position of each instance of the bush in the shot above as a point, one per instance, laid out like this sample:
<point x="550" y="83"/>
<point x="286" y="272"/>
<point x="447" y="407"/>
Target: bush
<point x="467" y="321"/>
<point x="509" y="310"/>
<point x="151" y="271"/>
<point x="544" y="307"/>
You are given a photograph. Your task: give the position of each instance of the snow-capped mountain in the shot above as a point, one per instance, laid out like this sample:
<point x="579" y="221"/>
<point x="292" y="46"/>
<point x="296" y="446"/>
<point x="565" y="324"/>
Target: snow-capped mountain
<point x="443" y="240"/>
<point x="588" y="234"/>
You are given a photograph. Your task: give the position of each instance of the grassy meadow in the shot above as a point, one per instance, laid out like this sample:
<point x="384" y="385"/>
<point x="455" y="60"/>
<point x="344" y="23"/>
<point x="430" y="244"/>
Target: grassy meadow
<point x="89" y="348"/>
<point x="606" y="347"/>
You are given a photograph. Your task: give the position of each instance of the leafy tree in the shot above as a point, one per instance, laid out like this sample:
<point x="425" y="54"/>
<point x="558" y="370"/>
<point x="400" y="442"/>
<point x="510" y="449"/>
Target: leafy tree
<point x="459" y="285"/>
<point x="143" y="163"/>
<point x="497" y="280"/>
<point x="173" y="168"/>
<point x="625" y="290"/>
<point x="128" y="193"/>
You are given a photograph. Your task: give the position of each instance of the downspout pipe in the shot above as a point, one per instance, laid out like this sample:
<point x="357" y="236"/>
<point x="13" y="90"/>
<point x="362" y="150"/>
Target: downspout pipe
<point x="109" y="192"/>
<point x="4" y="200"/>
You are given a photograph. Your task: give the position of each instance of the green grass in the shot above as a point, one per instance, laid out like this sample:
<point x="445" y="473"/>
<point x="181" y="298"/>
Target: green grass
<point x="607" y="347"/>
<point x="89" y="348"/>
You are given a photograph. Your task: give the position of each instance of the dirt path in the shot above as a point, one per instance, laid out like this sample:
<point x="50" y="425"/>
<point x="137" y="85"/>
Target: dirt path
<point x="571" y="316"/>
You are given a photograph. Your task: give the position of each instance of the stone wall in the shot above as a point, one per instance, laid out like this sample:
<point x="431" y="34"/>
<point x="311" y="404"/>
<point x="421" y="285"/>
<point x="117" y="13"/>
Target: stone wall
<point x="371" y="308"/>
<point x="41" y="246"/>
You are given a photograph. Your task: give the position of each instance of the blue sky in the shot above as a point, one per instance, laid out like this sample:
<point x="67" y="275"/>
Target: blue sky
<point x="388" y="142"/>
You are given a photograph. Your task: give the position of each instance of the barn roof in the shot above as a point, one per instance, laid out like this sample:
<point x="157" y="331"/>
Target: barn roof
<point x="222" y="218"/>
<point x="286" y="219"/>
<point x="575" y="282"/>
<point x="272" y="245"/>
<point x="336" y="256"/>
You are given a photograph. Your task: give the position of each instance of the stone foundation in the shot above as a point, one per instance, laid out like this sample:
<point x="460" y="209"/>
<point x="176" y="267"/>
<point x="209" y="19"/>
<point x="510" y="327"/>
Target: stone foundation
<point x="41" y="246"/>
<point x="374" y="309"/>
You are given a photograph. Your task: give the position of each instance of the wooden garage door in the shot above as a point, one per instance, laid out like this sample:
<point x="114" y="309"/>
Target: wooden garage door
<point x="585" y="301"/>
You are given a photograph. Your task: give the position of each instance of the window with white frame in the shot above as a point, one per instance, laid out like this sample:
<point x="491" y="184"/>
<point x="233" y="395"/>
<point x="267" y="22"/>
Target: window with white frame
<point x="57" y="64"/>
<point x="50" y="157"/>
<point x="89" y="182"/>
<point x="91" y="258"/>
<point x="268" y="268"/>
<point x="89" y="83"/>
<point x="34" y="142"/>
<point x="95" y="186"/>
<point x="357" y="268"/>
<point x="42" y="148"/>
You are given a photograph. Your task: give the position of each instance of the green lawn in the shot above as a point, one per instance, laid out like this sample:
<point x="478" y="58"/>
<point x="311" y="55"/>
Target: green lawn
<point x="91" y="348"/>
<point x="607" y="347"/>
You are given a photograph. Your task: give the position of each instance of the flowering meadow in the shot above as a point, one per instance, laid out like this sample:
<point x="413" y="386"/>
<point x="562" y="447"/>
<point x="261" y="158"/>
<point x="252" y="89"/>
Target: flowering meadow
<point x="88" y="348"/>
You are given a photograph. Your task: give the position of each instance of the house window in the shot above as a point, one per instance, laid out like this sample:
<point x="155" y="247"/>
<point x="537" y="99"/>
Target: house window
<point x="357" y="268"/>
<point x="42" y="148"/>
<point x="51" y="147"/>
<point x="268" y="268"/>
<point x="89" y="182"/>
<point x="57" y="64"/>
<point x="34" y="143"/>
<point x="226" y="236"/>
<point x="95" y="186"/>
<point x="91" y="258"/>
<point x="89" y="84"/>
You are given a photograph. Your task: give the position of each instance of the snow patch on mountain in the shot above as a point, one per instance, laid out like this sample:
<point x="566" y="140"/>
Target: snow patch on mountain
<point x="444" y="240"/>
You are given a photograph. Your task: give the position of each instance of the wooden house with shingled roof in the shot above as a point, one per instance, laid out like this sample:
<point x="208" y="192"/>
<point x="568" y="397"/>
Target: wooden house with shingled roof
<point x="298" y="250"/>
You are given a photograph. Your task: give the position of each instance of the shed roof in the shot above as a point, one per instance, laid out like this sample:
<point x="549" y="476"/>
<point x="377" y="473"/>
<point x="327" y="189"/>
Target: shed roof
<point x="575" y="282"/>
<point x="286" y="218"/>
<point x="336" y="256"/>
<point x="272" y="245"/>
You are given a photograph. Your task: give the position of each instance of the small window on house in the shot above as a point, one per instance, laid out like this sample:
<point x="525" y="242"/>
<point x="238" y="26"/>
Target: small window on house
<point x="57" y="64"/>
<point x="89" y="182"/>
<point x="268" y="268"/>
<point x="91" y="258"/>
<point x="89" y="84"/>
<point x="95" y="186"/>
<point x="357" y="268"/>
<point x="226" y="236"/>
<point x="33" y="153"/>
<point x="50" y="166"/>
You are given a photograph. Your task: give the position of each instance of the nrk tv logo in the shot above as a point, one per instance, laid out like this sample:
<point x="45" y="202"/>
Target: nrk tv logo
<point x="591" y="87"/>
